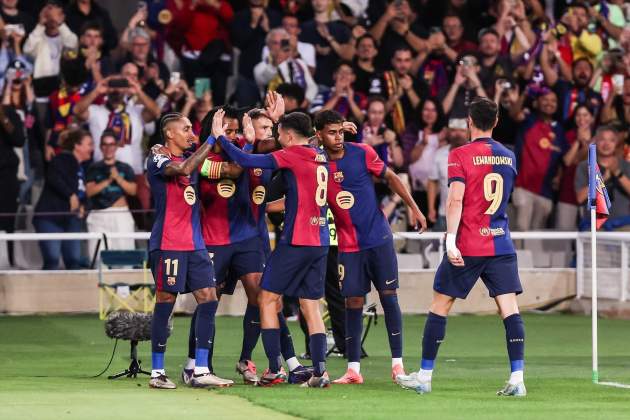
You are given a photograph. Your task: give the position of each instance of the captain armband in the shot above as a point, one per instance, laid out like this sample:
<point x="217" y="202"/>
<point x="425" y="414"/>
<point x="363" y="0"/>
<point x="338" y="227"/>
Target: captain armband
<point x="211" y="169"/>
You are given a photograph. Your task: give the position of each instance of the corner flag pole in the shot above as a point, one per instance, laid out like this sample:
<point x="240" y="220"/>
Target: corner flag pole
<point x="593" y="170"/>
<point x="594" y="291"/>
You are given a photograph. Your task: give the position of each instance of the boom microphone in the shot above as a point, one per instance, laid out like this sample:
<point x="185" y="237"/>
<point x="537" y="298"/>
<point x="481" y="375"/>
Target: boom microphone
<point x="131" y="326"/>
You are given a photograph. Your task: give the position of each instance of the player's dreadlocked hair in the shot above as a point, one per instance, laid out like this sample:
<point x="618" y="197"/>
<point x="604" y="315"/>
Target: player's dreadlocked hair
<point x="206" y="123"/>
<point x="484" y="113"/>
<point x="325" y="117"/>
<point x="166" y="119"/>
<point x="299" y="122"/>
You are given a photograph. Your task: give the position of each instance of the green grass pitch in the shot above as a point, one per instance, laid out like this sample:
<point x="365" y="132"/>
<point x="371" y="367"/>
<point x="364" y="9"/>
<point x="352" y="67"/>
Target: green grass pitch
<point x="45" y="364"/>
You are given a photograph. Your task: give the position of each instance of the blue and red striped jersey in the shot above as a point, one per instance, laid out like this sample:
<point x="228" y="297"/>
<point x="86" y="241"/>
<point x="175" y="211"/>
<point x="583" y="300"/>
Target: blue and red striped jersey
<point x="359" y="220"/>
<point x="233" y="209"/>
<point x="305" y="174"/>
<point x="488" y="169"/>
<point x="177" y="224"/>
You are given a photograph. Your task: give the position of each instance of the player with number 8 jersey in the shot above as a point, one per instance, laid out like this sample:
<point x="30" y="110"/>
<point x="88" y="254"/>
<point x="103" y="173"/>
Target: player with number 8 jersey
<point x="297" y="266"/>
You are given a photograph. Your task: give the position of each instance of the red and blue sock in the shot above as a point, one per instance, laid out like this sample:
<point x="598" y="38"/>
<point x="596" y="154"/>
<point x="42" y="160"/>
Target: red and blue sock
<point x="204" y="333"/>
<point x="434" y="332"/>
<point x="159" y="333"/>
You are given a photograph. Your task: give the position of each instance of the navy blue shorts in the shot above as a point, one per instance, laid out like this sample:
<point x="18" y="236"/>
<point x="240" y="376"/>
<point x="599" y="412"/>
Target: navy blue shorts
<point x="181" y="271"/>
<point x="297" y="271"/>
<point x="357" y="270"/>
<point x="499" y="274"/>
<point x="233" y="261"/>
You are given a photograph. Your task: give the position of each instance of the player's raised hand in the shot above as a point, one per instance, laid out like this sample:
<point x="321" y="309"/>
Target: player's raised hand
<point x="350" y="127"/>
<point x="218" y="128"/>
<point x="452" y="252"/>
<point x="248" y="129"/>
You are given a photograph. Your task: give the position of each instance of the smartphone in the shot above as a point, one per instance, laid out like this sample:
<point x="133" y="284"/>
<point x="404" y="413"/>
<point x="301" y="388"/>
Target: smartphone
<point x="202" y="85"/>
<point x="16" y="28"/>
<point x="285" y="45"/>
<point x="175" y="78"/>
<point x="617" y="81"/>
<point x="118" y="83"/>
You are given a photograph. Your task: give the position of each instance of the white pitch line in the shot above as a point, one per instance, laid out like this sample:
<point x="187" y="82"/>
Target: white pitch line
<point x="614" y="384"/>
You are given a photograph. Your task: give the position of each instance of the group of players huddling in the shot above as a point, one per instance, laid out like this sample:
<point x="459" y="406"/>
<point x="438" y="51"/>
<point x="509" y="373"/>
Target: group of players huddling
<point x="210" y="231"/>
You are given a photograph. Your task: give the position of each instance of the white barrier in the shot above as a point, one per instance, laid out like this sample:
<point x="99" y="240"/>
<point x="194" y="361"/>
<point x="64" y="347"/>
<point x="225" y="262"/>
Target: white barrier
<point x="609" y="240"/>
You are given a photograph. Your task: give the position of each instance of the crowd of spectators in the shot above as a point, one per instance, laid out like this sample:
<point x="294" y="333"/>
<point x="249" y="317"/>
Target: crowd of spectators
<point x="81" y="102"/>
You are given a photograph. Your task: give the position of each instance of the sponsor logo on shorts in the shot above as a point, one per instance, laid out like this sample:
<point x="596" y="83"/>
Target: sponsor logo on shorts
<point x="226" y="188"/>
<point x="171" y="281"/>
<point x="388" y="282"/>
<point x="257" y="172"/>
<point x="189" y="195"/>
<point x="345" y="200"/>
<point x="485" y="231"/>
<point x="398" y="333"/>
<point x="258" y="195"/>
<point x="338" y="176"/>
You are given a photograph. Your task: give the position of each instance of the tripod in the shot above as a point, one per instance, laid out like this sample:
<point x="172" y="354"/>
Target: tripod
<point x="134" y="367"/>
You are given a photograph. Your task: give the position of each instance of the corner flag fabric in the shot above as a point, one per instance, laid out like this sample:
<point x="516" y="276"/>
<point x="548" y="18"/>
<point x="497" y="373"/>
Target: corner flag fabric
<point x="597" y="194"/>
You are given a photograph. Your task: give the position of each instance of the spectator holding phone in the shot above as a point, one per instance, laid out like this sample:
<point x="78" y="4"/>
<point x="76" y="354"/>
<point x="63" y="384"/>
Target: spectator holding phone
<point x="11" y="38"/>
<point x="15" y="19"/>
<point x="125" y="111"/>
<point x="45" y="45"/>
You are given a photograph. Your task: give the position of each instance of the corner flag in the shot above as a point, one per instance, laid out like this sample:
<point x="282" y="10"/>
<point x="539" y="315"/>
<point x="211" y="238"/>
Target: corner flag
<point x="597" y="195"/>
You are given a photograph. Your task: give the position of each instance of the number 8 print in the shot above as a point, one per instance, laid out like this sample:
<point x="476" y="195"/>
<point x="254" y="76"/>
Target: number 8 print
<point x="322" y="186"/>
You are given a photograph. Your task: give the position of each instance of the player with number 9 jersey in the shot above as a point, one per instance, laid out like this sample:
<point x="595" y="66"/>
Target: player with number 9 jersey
<point x="488" y="169"/>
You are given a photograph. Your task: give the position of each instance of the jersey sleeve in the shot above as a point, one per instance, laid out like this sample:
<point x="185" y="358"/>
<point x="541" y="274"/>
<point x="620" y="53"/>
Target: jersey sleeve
<point x="246" y="160"/>
<point x="456" y="170"/>
<point x="157" y="163"/>
<point x="373" y="163"/>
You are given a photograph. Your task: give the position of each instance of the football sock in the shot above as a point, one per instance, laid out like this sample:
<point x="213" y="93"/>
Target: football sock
<point x="192" y="342"/>
<point x="354" y="329"/>
<point x="251" y="331"/>
<point x="397" y="361"/>
<point x="271" y="342"/>
<point x="356" y="366"/>
<point x="318" y="353"/>
<point x="293" y="363"/>
<point x="190" y="364"/>
<point x="515" y="339"/>
<point x="286" y="342"/>
<point x="393" y="322"/>
<point x="159" y="333"/>
<point x="434" y="332"/>
<point x="204" y="332"/>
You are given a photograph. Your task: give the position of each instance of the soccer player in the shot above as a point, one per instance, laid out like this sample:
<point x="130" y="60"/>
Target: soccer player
<point x="236" y="237"/>
<point x="481" y="177"/>
<point x="177" y="254"/>
<point x="366" y="245"/>
<point x="297" y="265"/>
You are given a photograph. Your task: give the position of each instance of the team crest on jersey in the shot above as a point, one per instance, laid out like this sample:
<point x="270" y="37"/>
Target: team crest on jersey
<point x="320" y="158"/>
<point x="344" y="199"/>
<point x="338" y="177"/>
<point x="258" y="195"/>
<point x="189" y="195"/>
<point x="226" y="188"/>
<point x="257" y="172"/>
<point x="171" y="281"/>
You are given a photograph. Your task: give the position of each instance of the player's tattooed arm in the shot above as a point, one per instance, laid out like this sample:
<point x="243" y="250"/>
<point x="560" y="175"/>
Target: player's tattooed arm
<point x="416" y="218"/>
<point x="189" y="165"/>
